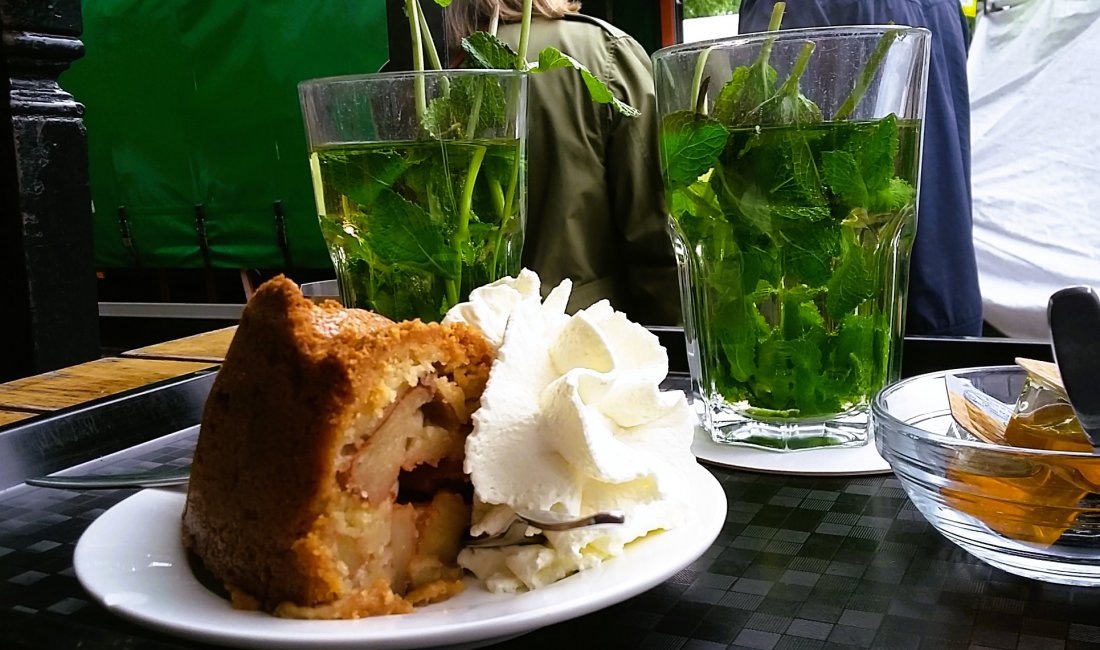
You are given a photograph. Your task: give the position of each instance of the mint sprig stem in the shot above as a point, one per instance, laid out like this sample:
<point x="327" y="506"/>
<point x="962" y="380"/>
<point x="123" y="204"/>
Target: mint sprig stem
<point x="790" y="85"/>
<point x="762" y="63"/>
<point x="524" y="35"/>
<point x="475" y="113"/>
<point x="429" y="42"/>
<point x="521" y="64"/>
<point x="433" y="53"/>
<point x="867" y="76"/>
<point x="697" y="82"/>
<point x="462" y="233"/>
<point x="412" y="11"/>
<point x="773" y="26"/>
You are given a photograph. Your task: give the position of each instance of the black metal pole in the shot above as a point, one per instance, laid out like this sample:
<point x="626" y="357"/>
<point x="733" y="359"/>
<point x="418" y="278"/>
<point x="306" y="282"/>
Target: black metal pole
<point x="47" y="258"/>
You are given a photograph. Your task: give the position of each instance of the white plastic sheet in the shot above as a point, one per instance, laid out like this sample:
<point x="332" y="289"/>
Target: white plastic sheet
<point x="1034" y="74"/>
<point x="710" y="27"/>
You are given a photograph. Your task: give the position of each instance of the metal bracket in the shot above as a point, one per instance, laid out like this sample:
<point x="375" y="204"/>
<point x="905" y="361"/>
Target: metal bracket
<point x="127" y="237"/>
<point x="280" y="233"/>
<point x="200" y="231"/>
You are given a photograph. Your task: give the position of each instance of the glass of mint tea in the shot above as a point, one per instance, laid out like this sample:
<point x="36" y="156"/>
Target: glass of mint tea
<point x="791" y="162"/>
<point x="419" y="179"/>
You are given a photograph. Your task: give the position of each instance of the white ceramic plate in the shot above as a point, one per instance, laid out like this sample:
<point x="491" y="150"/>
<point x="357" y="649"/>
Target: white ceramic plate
<point x="131" y="561"/>
<point x="838" y="461"/>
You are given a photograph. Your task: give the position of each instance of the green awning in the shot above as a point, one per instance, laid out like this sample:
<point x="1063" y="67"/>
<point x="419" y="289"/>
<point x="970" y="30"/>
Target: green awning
<point x="194" y="102"/>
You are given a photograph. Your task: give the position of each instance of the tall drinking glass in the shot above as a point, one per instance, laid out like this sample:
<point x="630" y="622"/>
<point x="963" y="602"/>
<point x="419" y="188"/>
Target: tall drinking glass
<point x="420" y="184"/>
<point x="791" y="162"/>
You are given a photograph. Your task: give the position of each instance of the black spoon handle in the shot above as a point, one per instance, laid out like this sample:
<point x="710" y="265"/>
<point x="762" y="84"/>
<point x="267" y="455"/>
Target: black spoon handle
<point x="1074" y="317"/>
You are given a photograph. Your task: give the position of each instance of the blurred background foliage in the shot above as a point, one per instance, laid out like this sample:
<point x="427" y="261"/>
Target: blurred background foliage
<point x="701" y="8"/>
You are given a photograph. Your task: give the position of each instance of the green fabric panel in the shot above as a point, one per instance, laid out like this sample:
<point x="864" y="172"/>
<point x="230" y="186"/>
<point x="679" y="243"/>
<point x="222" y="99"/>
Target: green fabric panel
<point x="196" y="101"/>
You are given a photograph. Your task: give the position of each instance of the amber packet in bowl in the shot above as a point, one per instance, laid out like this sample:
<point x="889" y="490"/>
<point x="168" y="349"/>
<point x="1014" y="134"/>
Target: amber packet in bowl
<point x="1031" y="501"/>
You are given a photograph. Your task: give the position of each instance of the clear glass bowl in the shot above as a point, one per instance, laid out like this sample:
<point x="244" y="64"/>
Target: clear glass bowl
<point x="1035" y="513"/>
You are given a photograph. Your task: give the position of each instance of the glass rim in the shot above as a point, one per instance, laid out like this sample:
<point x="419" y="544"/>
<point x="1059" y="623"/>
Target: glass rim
<point x="409" y="74"/>
<point x="879" y="410"/>
<point x="800" y="34"/>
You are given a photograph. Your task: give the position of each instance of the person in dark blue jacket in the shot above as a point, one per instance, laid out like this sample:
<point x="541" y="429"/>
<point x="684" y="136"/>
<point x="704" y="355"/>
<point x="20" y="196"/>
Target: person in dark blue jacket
<point x="944" y="298"/>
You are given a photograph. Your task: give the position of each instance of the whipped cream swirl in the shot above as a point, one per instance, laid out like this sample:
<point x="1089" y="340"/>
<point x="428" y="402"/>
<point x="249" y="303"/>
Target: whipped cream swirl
<point x="572" y="420"/>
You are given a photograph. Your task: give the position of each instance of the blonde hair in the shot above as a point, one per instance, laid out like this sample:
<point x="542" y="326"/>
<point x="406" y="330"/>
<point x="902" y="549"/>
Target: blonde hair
<point x="464" y="17"/>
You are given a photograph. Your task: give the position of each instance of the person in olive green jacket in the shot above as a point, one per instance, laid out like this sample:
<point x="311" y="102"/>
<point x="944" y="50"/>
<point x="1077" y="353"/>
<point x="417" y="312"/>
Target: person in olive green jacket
<point x="595" y="206"/>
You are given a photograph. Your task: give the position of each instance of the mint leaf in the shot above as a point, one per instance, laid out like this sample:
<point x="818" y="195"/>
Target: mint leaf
<point x="360" y="178"/>
<point x="759" y="87"/>
<point x="852" y="282"/>
<point x="754" y="208"/>
<point x="345" y="234"/>
<point x="489" y="52"/>
<point x="695" y="210"/>
<point x="407" y="294"/>
<point x="745" y="93"/>
<point x="738" y="325"/>
<point x="728" y="100"/>
<point x="853" y="353"/>
<point x="787" y="109"/>
<point x="808" y="249"/>
<point x="551" y="59"/>
<point x="401" y="233"/>
<point x="788" y="105"/>
<point x="482" y="94"/>
<point x="738" y="339"/>
<point x="842" y="175"/>
<point x="862" y="174"/>
<point x="806" y="176"/>
<point x="691" y="144"/>
<point x="789" y="372"/>
<point x="449" y="117"/>
<point x="761" y="265"/>
<point x="895" y="196"/>
<point x="813" y="323"/>
<point x="751" y="96"/>
<point x="801" y="213"/>
<point x="750" y="88"/>
<point x="795" y="380"/>
<point x="443" y="3"/>
<point x="441" y="120"/>
<point x="878" y="153"/>
<point x="807" y="366"/>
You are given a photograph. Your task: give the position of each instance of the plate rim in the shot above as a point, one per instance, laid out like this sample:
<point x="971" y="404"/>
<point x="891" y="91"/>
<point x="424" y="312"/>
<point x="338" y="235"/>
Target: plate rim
<point x="681" y="546"/>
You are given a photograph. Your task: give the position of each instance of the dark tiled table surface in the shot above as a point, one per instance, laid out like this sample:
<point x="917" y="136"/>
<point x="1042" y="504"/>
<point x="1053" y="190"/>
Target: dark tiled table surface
<point x="801" y="563"/>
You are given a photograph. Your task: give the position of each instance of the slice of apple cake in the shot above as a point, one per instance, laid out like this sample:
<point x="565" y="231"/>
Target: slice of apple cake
<point x="327" y="481"/>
